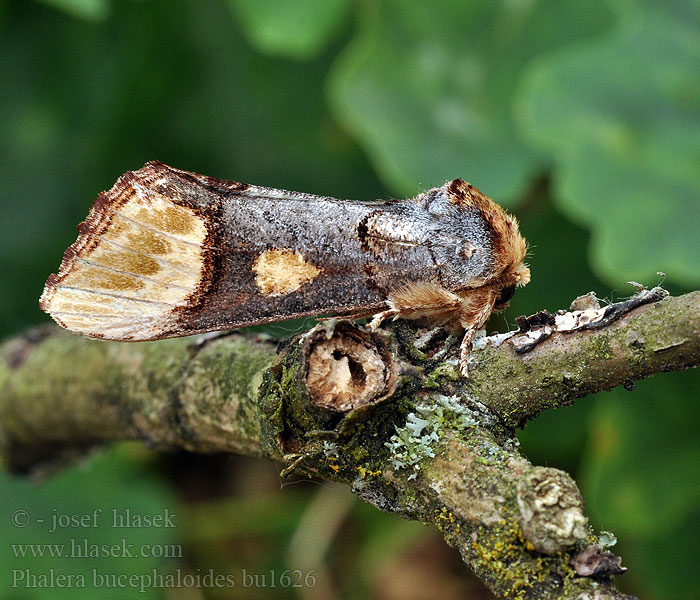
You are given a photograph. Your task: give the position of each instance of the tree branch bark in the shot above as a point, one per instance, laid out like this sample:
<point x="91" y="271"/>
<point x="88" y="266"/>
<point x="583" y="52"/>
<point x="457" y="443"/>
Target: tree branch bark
<point x="657" y="336"/>
<point x="385" y="412"/>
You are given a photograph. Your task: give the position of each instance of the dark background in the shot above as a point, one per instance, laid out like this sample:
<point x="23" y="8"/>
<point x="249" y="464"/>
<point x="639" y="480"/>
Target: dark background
<point x="583" y="118"/>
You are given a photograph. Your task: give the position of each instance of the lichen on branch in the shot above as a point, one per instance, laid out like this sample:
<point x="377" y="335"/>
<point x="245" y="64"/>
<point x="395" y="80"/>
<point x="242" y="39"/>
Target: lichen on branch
<point x="385" y="412"/>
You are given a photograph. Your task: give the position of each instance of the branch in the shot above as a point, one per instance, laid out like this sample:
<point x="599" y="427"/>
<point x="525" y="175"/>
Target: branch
<point x="608" y="347"/>
<point x="385" y="412"/>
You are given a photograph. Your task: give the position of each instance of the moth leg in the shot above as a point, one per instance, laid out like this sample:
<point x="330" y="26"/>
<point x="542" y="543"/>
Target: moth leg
<point x="382" y="316"/>
<point x="464" y="349"/>
<point x="425" y="300"/>
<point x="477" y="306"/>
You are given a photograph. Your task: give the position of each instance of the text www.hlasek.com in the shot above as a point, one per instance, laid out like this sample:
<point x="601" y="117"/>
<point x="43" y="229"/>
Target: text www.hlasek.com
<point x="83" y="548"/>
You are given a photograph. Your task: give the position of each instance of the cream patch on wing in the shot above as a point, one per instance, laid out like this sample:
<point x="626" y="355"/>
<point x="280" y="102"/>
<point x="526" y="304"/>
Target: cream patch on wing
<point x="134" y="262"/>
<point x="282" y="271"/>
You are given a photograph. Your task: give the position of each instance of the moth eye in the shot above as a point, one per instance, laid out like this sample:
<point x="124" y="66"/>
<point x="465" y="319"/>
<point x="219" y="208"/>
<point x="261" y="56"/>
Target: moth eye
<point x="506" y="294"/>
<point x="467" y="250"/>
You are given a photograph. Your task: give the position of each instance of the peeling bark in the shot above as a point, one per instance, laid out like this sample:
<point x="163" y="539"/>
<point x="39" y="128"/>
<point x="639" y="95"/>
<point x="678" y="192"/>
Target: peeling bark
<point x="385" y="412"/>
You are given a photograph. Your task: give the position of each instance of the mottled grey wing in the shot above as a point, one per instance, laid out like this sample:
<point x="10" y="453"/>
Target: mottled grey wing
<point x="168" y="253"/>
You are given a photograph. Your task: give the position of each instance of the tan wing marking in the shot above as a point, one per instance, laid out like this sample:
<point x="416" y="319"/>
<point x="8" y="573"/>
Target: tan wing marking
<point x="139" y="256"/>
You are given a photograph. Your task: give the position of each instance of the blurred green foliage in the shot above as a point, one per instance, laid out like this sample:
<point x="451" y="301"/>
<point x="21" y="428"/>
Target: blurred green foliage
<point x="430" y="92"/>
<point x="39" y="528"/>
<point x="297" y="29"/>
<point x="584" y="117"/>
<point x="621" y="118"/>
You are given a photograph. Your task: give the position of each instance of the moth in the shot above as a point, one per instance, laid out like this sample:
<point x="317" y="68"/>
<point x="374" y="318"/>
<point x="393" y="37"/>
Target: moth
<point x="168" y="253"/>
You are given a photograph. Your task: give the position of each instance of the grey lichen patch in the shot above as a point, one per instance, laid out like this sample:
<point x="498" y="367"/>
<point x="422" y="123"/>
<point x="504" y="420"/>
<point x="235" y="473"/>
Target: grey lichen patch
<point x="390" y="495"/>
<point x="419" y="436"/>
<point x="551" y="510"/>
<point x="330" y="450"/>
<point x="482" y="340"/>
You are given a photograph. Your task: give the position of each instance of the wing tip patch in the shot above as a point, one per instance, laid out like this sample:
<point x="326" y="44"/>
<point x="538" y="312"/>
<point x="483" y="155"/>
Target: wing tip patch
<point x="158" y="256"/>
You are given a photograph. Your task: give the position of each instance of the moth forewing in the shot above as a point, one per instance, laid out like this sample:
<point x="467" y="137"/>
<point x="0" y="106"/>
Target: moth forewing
<point x="168" y="253"/>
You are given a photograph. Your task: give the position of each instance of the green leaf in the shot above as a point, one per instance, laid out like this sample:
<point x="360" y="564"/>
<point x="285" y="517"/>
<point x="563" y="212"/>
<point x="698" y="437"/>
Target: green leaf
<point x="89" y="10"/>
<point x="428" y="91"/>
<point x="622" y="119"/>
<point x="73" y="512"/>
<point x="292" y="28"/>
<point x="640" y="476"/>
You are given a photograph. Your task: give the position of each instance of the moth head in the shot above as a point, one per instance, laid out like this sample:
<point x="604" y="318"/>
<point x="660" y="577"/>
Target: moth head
<point x="506" y="285"/>
<point x="504" y="297"/>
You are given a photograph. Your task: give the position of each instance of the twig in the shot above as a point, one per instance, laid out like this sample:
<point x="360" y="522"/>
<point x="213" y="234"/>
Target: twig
<point x="385" y="412"/>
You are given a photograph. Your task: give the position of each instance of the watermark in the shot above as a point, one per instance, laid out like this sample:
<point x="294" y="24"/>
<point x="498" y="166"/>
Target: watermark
<point x="116" y="518"/>
<point x="55" y="579"/>
<point x="73" y="543"/>
<point x="84" y="548"/>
